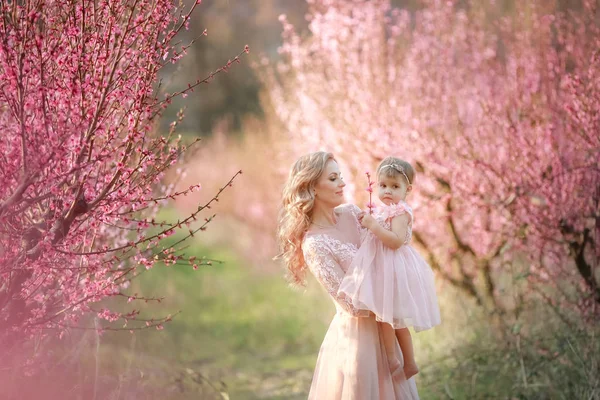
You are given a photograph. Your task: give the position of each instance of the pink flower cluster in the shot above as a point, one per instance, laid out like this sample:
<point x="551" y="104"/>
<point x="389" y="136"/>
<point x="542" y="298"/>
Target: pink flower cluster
<point x="500" y="120"/>
<point x="370" y="204"/>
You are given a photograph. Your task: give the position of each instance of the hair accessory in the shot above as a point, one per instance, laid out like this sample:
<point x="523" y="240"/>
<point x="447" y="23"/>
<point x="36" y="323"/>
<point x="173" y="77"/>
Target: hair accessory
<point x="398" y="168"/>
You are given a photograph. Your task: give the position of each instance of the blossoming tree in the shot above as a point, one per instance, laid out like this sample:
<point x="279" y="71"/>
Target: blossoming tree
<point x="499" y="114"/>
<point x="80" y="165"/>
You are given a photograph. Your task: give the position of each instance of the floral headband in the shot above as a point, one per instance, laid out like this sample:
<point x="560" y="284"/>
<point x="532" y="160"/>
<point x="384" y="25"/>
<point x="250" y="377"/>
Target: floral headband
<point x="398" y="168"/>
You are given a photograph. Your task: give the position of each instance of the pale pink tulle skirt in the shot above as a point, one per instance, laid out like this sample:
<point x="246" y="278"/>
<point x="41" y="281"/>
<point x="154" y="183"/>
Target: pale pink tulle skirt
<point x="360" y="359"/>
<point x="396" y="285"/>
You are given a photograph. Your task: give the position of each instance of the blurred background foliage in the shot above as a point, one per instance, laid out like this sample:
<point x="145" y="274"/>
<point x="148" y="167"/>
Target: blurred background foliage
<point x="231" y="24"/>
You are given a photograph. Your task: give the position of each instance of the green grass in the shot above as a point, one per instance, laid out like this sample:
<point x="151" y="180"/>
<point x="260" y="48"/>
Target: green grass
<point x="247" y="334"/>
<point x="260" y="338"/>
<point x="235" y="325"/>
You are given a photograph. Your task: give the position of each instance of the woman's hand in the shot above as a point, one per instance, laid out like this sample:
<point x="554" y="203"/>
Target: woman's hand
<point x="367" y="221"/>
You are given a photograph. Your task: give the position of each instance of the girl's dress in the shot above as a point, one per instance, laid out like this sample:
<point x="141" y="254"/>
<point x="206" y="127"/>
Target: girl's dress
<point x="360" y="358"/>
<point x="396" y="285"/>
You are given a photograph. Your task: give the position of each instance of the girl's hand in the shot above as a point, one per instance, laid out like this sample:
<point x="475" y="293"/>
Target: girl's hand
<point x="368" y="221"/>
<point x="361" y="215"/>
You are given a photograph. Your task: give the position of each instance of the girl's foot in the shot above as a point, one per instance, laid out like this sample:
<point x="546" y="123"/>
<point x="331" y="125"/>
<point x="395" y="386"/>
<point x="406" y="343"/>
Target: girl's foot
<point x="410" y="370"/>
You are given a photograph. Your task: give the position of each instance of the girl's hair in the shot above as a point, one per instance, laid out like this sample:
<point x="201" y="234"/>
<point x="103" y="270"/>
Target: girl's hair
<point x="296" y="212"/>
<point x="394" y="167"/>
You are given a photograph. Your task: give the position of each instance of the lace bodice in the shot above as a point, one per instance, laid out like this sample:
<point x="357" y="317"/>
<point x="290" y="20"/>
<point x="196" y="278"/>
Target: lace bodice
<point x="328" y="253"/>
<point x="384" y="215"/>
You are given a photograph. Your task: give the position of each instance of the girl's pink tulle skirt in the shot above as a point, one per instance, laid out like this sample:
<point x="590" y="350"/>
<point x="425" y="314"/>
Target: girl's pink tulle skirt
<point x="396" y="285"/>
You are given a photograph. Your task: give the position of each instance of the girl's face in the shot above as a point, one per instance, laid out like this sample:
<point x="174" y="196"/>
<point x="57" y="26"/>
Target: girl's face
<point x="329" y="189"/>
<point x="392" y="189"/>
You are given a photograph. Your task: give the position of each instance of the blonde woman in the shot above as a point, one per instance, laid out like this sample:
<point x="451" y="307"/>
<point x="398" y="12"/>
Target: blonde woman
<point x="360" y="358"/>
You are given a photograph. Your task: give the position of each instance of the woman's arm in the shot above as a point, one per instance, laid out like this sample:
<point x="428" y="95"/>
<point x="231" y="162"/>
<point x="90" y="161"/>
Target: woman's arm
<point x="328" y="272"/>
<point x="392" y="239"/>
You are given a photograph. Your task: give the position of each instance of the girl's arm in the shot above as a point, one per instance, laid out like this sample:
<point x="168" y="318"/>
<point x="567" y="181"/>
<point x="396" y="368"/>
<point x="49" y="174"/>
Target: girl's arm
<point x="392" y="239"/>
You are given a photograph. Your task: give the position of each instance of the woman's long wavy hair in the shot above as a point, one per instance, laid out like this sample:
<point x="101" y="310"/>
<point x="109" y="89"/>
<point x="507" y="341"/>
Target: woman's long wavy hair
<point x="296" y="212"/>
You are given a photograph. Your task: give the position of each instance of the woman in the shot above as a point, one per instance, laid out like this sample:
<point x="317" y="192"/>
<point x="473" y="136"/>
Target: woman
<point x="360" y="358"/>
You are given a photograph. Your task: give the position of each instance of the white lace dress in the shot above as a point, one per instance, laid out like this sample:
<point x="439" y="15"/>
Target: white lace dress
<point x="360" y="358"/>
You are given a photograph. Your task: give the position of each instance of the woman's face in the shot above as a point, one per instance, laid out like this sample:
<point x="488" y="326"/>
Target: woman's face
<point x="329" y="189"/>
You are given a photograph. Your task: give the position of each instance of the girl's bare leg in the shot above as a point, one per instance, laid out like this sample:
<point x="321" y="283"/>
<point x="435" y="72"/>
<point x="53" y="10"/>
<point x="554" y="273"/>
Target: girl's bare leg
<point x="405" y="341"/>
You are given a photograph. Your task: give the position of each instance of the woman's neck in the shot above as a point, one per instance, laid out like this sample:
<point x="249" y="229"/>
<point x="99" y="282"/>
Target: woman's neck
<point x="324" y="216"/>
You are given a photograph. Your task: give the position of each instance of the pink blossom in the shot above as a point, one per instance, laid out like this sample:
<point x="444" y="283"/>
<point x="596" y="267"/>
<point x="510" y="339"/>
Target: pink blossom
<point x="503" y="145"/>
<point x="80" y="159"/>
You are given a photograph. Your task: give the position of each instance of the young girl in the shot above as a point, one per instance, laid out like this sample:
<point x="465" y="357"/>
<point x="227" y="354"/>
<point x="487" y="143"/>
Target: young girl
<point x="387" y="275"/>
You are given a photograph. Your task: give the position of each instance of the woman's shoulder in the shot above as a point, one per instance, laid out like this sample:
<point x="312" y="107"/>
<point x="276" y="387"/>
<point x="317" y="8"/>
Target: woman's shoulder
<point x="348" y="208"/>
<point x="312" y="238"/>
<point x="314" y="243"/>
